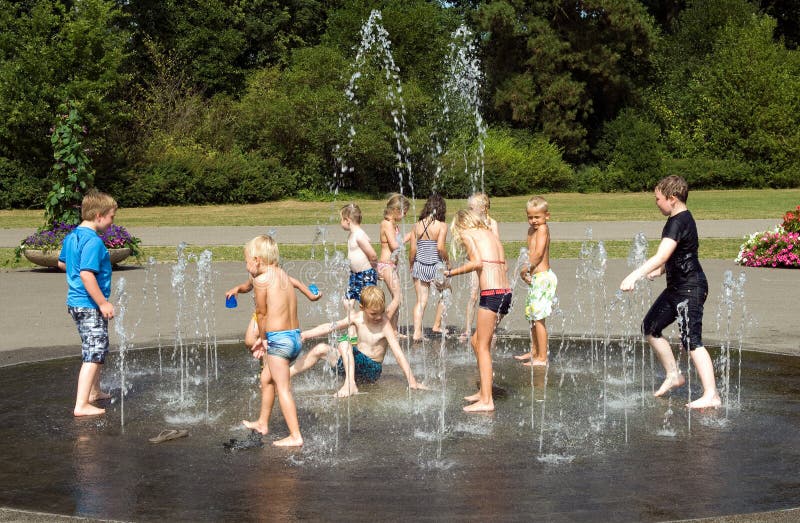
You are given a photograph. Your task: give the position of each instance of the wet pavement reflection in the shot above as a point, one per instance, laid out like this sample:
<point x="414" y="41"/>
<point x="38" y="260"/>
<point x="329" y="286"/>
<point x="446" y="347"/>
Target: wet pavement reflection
<point x="573" y="442"/>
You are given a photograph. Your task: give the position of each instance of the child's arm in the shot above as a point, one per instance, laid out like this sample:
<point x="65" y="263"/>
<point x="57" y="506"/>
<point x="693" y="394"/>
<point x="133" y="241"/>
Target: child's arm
<point x="243" y="288"/>
<point x="391" y="339"/>
<point x="441" y="244"/>
<point x="302" y="287"/>
<point x="412" y="247"/>
<point x="324" y="329"/>
<point x="537" y="246"/>
<point x="93" y="289"/>
<point x="260" y="297"/>
<point x="473" y="256"/>
<point x="656" y="263"/>
<point x="366" y="246"/>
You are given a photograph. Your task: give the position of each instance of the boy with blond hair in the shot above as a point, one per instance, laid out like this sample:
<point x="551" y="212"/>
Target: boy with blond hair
<point x="360" y="253"/>
<point x="541" y="280"/>
<point x="84" y="258"/>
<point x="363" y="348"/>
<point x="278" y="340"/>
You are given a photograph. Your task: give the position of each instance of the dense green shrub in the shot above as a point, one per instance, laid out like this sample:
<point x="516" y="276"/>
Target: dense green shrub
<point x="514" y="163"/>
<point x="631" y="145"/>
<point x="188" y="174"/>
<point x="708" y="173"/>
<point x="20" y="187"/>
<point x="595" y="178"/>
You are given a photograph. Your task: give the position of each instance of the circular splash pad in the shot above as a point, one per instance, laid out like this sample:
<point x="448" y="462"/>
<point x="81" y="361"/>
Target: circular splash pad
<point x="582" y="440"/>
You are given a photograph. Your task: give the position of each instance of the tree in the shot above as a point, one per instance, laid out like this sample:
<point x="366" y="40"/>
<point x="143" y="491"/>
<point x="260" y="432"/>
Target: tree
<point x="51" y="52"/>
<point x="737" y="98"/>
<point x="217" y="42"/>
<point x="563" y="67"/>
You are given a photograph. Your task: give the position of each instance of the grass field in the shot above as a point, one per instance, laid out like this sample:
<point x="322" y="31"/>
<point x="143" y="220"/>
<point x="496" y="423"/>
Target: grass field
<point x="564" y="207"/>
<point x="709" y="248"/>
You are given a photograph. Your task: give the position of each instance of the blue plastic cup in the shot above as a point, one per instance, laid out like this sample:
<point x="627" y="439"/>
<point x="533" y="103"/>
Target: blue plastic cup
<point x="230" y="301"/>
<point x="314" y="290"/>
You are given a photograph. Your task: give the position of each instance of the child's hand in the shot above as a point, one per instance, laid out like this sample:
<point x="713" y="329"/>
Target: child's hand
<point x="629" y="282"/>
<point x="232" y="292"/>
<point x="107" y="310"/>
<point x="414" y="385"/>
<point x="257" y="350"/>
<point x="525" y="275"/>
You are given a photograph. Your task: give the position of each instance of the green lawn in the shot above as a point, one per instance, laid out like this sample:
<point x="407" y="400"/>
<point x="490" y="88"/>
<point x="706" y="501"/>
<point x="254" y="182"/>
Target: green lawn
<point x="709" y="248"/>
<point x="564" y="207"/>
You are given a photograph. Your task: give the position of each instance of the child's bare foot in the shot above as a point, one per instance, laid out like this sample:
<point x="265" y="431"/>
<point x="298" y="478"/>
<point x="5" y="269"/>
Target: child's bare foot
<point x="261" y="428"/>
<point x="473" y="398"/>
<point x="480" y="407"/>
<point x="419" y="340"/>
<point x="535" y="363"/>
<point x="672" y="381"/>
<point x="99" y="396"/>
<point x="88" y="410"/>
<point x="289" y="441"/>
<point x="348" y="389"/>
<point x="703" y="402"/>
<point x="523" y="357"/>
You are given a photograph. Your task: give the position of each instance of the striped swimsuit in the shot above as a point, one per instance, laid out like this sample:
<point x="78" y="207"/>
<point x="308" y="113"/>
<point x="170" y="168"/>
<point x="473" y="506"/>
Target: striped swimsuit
<point x="424" y="268"/>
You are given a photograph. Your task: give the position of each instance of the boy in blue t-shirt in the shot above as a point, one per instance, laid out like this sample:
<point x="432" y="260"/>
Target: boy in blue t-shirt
<point x="85" y="259"/>
<point x="686" y="283"/>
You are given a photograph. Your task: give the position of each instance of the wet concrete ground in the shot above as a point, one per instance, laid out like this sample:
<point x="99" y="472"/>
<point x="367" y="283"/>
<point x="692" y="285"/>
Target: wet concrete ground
<point x="577" y="446"/>
<point x="35" y="326"/>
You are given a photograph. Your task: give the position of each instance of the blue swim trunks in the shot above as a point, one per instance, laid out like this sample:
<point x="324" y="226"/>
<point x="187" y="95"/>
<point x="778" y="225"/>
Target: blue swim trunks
<point x="359" y="280"/>
<point x="285" y="344"/>
<point x="367" y="369"/>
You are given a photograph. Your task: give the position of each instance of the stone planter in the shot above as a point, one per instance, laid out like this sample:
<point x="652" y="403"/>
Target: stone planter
<point x="50" y="258"/>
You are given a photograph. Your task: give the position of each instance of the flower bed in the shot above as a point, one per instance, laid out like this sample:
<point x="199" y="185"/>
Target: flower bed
<point x="779" y="247"/>
<point x="50" y="239"/>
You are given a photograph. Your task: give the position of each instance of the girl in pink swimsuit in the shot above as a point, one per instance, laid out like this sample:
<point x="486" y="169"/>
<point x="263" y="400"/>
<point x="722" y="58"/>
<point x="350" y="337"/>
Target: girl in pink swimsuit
<point x="486" y="257"/>
<point x="391" y="240"/>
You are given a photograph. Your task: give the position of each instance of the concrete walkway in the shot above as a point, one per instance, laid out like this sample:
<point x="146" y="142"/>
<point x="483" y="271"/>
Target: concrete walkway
<point x="304" y="234"/>
<point x="35" y="325"/>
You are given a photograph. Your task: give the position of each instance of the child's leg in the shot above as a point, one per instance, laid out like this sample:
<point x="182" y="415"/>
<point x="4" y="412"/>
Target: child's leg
<point x="419" y="309"/>
<point x="389" y="276"/>
<point x="531" y="353"/>
<point x="481" y="340"/>
<point x="310" y="358"/>
<point x="663" y="351"/>
<point x="346" y="353"/>
<point x="437" y="319"/>
<point x="96" y="394"/>
<point x="538" y="343"/>
<point x="87" y="378"/>
<point x="705" y="369"/>
<point x="279" y="367"/>
<point x="267" y="400"/>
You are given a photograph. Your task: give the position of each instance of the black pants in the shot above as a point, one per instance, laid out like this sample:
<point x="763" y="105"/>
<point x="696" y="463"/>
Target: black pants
<point x="665" y="310"/>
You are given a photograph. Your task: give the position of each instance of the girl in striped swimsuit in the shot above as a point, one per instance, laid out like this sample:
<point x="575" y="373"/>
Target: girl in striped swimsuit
<point x="487" y="258"/>
<point x="427" y="249"/>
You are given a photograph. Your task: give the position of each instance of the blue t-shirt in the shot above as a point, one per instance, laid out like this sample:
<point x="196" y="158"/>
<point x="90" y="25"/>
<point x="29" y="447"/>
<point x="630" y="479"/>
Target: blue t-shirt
<point x="83" y="250"/>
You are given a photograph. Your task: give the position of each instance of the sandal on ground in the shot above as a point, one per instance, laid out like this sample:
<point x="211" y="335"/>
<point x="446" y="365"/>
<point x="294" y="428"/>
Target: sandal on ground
<point x="169" y="434"/>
